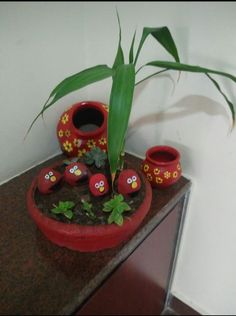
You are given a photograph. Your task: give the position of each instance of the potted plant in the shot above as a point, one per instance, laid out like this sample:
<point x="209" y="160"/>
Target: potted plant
<point x="121" y="99"/>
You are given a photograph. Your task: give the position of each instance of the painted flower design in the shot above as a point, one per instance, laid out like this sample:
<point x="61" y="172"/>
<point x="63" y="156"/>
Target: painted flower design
<point x="105" y="107"/>
<point x="159" y="180"/>
<point x="65" y="118"/>
<point x="91" y="143"/>
<point x="175" y="174"/>
<point x="67" y="133"/>
<point x="145" y="167"/>
<point x="102" y="141"/>
<point x="156" y="171"/>
<point x="77" y="142"/>
<point x="81" y="152"/>
<point x="67" y="146"/>
<point x="60" y="133"/>
<point x="178" y="167"/>
<point x="167" y="174"/>
<point x="149" y="176"/>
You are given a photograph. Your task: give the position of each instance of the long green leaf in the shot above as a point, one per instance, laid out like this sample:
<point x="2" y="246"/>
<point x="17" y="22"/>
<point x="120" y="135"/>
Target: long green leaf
<point x="189" y="68"/>
<point x="198" y="69"/>
<point x="73" y="83"/>
<point x="163" y="36"/>
<point x="119" y="111"/>
<point x="230" y="104"/>
<point x="119" y="60"/>
<point x="131" y="51"/>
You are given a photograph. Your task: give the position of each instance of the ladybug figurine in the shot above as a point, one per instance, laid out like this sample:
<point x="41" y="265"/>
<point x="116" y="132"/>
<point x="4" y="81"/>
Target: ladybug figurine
<point x="75" y="172"/>
<point x="128" y="182"/>
<point x="98" y="184"/>
<point x="47" y="179"/>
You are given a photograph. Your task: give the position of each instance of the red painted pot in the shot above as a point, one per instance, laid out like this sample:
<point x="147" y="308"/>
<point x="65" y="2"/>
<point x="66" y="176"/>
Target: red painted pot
<point x="82" y="127"/>
<point x="87" y="238"/>
<point x="162" y="166"/>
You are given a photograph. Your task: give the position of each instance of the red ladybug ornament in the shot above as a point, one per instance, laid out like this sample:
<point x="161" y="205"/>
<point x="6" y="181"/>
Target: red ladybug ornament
<point x="128" y="182"/>
<point x="98" y="184"/>
<point x="75" y="172"/>
<point x="47" y="179"/>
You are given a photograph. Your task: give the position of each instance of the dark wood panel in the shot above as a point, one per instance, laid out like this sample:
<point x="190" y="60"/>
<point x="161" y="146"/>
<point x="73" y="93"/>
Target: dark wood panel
<point x="139" y="286"/>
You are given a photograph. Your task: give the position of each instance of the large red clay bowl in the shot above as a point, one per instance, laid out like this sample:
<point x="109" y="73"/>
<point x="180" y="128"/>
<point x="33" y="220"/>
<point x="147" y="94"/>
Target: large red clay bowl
<point x="87" y="238"/>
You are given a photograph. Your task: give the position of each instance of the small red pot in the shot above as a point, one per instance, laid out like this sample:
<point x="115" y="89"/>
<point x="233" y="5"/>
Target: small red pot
<point x="87" y="238"/>
<point x="82" y="127"/>
<point x="162" y="166"/>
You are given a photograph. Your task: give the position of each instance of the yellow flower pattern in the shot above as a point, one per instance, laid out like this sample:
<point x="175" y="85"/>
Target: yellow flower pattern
<point x="145" y="168"/>
<point x="67" y="146"/>
<point x="149" y="176"/>
<point x="159" y="180"/>
<point x="167" y="174"/>
<point x="65" y="118"/>
<point x="156" y="171"/>
<point x="91" y="143"/>
<point x="105" y="107"/>
<point x="60" y="133"/>
<point x="77" y="142"/>
<point x="175" y="174"/>
<point x="81" y="152"/>
<point x="67" y="133"/>
<point x="102" y="141"/>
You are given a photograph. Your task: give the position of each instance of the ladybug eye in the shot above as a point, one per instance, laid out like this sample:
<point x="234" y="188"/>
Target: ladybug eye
<point x="71" y="170"/>
<point x="75" y="168"/>
<point x="47" y="177"/>
<point x="129" y="180"/>
<point x="101" y="183"/>
<point x="50" y="173"/>
<point x="97" y="185"/>
<point x="134" y="178"/>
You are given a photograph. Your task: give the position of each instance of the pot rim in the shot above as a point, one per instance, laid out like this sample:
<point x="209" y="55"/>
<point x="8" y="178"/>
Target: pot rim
<point x="163" y="148"/>
<point x="92" y="105"/>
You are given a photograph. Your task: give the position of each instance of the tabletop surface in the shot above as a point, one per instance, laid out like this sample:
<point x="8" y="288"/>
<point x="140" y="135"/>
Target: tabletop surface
<point x="38" y="277"/>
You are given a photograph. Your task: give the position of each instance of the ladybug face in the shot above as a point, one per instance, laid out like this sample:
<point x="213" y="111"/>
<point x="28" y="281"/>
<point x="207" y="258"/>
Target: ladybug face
<point x="98" y="184"/>
<point x="128" y="182"/>
<point x="47" y="179"/>
<point x="75" y="172"/>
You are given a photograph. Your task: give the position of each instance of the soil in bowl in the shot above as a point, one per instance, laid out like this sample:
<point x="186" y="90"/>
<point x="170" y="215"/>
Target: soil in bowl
<point x="65" y="192"/>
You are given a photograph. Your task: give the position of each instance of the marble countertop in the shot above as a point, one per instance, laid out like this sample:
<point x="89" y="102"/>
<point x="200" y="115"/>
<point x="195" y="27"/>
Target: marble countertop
<point x="40" y="278"/>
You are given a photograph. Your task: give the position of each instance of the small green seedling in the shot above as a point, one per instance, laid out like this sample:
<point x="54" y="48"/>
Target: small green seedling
<point x="117" y="206"/>
<point x="87" y="207"/>
<point x="64" y="208"/>
<point x="95" y="156"/>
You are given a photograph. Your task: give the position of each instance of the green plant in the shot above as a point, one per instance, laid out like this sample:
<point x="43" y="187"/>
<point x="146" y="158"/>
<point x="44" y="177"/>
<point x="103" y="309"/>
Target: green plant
<point x="117" y="206"/>
<point x="87" y="207"/>
<point x="124" y="82"/>
<point x="95" y="156"/>
<point x="64" y="208"/>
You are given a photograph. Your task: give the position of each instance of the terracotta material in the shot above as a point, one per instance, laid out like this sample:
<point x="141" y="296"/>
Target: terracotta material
<point x="98" y="184"/>
<point x="47" y="179"/>
<point x="75" y="172"/>
<point x="82" y="127"/>
<point x="128" y="182"/>
<point x="162" y="166"/>
<point x="87" y="238"/>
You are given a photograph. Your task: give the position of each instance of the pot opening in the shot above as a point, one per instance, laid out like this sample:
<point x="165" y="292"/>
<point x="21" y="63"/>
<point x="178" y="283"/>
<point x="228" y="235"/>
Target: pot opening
<point x="88" y="119"/>
<point x="162" y="156"/>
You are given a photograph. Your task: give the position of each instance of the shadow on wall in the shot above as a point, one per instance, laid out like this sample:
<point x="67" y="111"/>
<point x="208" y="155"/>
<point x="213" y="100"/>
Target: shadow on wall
<point x="185" y="107"/>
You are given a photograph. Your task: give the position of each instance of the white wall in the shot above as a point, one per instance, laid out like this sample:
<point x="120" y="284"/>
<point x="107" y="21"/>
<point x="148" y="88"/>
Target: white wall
<point x="41" y="43"/>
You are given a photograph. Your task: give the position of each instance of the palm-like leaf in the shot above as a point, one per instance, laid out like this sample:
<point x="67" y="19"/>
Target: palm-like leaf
<point x="119" y="111"/>
<point x="197" y="69"/>
<point x="163" y="36"/>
